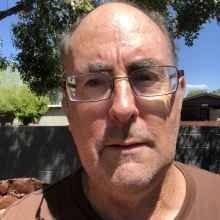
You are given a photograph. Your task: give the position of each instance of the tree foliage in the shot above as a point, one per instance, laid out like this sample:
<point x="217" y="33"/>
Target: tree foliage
<point x="9" y="95"/>
<point x="185" y="18"/>
<point x="37" y="35"/>
<point x="191" y="16"/>
<point x="196" y="92"/>
<point x="31" y="107"/>
<point x="3" y="62"/>
<point x="201" y="91"/>
<point x="16" y="99"/>
<point x="42" y="22"/>
<point x="216" y="92"/>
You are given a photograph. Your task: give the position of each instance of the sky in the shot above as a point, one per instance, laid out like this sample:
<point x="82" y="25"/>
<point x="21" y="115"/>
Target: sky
<point x="201" y="62"/>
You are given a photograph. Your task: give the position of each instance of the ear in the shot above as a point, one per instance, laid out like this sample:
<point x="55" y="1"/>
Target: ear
<point x="61" y="90"/>
<point x="65" y="104"/>
<point x="181" y="90"/>
<point x="182" y="85"/>
<point x="65" y="107"/>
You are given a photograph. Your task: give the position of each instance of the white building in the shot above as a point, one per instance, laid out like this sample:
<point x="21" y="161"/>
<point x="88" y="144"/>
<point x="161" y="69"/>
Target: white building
<point x="54" y="117"/>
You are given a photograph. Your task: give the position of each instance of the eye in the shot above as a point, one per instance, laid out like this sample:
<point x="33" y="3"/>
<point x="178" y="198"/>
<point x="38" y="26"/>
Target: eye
<point x="144" y="77"/>
<point x="95" y="82"/>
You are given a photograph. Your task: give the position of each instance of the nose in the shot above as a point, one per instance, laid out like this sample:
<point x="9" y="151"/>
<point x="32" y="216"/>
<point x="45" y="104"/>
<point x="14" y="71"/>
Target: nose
<point x="123" y="108"/>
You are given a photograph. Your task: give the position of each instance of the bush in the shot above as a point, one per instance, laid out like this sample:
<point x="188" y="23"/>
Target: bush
<point x="17" y="100"/>
<point x="31" y="107"/>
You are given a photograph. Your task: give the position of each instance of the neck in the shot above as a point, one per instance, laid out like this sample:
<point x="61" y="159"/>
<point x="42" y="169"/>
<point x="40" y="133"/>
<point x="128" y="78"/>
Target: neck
<point x="162" y="198"/>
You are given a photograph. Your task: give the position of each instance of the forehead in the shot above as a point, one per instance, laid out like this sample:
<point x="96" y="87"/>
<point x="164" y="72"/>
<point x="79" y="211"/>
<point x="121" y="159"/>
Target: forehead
<point x="117" y="33"/>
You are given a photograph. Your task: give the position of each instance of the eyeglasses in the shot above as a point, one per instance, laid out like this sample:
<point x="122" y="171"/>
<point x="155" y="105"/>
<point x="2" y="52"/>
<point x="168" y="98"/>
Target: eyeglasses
<point x="147" y="82"/>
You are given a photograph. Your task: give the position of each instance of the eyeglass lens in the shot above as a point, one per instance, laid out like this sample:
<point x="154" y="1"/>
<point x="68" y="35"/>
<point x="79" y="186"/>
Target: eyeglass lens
<point x="145" y="82"/>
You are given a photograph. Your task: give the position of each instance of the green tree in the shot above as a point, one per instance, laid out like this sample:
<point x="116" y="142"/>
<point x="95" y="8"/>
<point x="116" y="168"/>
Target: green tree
<point x="16" y="99"/>
<point x="3" y="62"/>
<point x="42" y="22"/>
<point x="216" y="92"/>
<point x="37" y="34"/>
<point x="30" y="107"/>
<point x="196" y="92"/>
<point x="185" y="18"/>
<point x="9" y="93"/>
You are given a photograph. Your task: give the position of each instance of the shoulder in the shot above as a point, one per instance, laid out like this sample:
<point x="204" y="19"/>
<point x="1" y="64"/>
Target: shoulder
<point x="198" y="173"/>
<point x="28" y="205"/>
<point x="202" y="193"/>
<point x="204" y="181"/>
<point x="37" y="204"/>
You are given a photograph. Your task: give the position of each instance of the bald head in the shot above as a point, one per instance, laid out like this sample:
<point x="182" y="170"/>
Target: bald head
<point x="120" y="16"/>
<point x="113" y="14"/>
<point x="117" y="17"/>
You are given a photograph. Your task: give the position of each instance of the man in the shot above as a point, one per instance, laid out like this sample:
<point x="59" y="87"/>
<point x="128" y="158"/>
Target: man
<point x="122" y="95"/>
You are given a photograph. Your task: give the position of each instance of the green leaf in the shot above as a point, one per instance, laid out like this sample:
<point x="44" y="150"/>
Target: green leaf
<point x="88" y="7"/>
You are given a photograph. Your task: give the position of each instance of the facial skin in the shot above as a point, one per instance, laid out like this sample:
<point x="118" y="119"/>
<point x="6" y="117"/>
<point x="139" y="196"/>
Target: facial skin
<point x="127" y="142"/>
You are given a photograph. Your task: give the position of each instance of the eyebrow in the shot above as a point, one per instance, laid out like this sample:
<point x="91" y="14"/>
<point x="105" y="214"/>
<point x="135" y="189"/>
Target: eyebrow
<point x="131" y="67"/>
<point x="143" y="63"/>
<point x="95" y="68"/>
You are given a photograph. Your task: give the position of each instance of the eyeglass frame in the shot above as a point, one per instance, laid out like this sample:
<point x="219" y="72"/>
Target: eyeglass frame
<point x="180" y="73"/>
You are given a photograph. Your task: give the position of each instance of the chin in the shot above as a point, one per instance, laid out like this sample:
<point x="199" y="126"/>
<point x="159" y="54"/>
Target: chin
<point x="134" y="175"/>
<point x="130" y="173"/>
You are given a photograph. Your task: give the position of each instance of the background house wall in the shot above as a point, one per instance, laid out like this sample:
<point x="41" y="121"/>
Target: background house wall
<point x="48" y="153"/>
<point x="194" y="113"/>
<point x="214" y="114"/>
<point x="202" y="107"/>
<point x="54" y="117"/>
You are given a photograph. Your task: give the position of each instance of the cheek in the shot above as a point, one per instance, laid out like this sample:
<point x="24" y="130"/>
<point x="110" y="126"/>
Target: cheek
<point x="87" y="123"/>
<point x="155" y="109"/>
<point x="87" y="127"/>
<point x="162" y="116"/>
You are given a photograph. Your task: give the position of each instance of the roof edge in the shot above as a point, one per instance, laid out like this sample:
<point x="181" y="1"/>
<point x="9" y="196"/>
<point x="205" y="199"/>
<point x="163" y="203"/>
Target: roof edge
<point x="200" y="95"/>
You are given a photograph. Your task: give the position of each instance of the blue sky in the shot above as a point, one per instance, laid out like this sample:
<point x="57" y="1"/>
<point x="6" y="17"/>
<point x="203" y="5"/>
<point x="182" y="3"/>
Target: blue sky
<point x="200" y="62"/>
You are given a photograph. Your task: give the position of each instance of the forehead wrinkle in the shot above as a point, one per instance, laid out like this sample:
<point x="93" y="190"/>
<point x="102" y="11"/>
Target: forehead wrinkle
<point x="124" y="24"/>
<point x="120" y="25"/>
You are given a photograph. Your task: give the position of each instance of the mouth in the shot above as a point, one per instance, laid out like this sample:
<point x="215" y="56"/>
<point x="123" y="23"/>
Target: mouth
<point x="127" y="148"/>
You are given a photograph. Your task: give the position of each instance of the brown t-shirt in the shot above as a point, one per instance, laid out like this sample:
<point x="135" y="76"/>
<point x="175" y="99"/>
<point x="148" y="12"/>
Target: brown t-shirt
<point x="66" y="200"/>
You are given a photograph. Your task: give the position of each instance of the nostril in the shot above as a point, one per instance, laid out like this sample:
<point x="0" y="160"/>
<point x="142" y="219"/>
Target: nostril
<point x="123" y="113"/>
